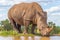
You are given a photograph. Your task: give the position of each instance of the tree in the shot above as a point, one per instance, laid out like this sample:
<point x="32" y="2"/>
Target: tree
<point x="55" y="29"/>
<point x="6" y="25"/>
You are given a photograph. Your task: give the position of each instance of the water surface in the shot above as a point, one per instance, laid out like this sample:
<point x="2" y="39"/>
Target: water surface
<point x="30" y="38"/>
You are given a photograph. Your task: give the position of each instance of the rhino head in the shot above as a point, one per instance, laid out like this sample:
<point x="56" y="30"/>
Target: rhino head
<point x="46" y="31"/>
<point x="42" y="24"/>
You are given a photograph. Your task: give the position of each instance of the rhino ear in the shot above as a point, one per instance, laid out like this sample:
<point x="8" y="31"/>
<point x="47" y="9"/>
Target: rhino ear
<point x="45" y="12"/>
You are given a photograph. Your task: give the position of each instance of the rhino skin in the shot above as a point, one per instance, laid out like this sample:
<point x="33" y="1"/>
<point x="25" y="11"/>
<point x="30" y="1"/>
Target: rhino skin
<point x="26" y="14"/>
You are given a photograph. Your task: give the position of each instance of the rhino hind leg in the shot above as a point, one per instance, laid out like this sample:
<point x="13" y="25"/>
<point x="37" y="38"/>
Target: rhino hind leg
<point x="13" y="23"/>
<point x="19" y="28"/>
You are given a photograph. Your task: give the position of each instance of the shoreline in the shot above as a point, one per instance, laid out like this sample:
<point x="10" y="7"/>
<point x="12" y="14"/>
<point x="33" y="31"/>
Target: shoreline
<point x="56" y="35"/>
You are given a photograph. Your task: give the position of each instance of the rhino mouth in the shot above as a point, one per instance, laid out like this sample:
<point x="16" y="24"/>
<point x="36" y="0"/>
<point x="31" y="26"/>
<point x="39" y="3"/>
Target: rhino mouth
<point x="46" y="31"/>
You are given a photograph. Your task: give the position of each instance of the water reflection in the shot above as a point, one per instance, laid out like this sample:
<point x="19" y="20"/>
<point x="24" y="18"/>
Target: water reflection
<point x="26" y="37"/>
<point x="23" y="38"/>
<point x="17" y="38"/>
<point x="31" y="38"/>
<point x="45" y="38"/>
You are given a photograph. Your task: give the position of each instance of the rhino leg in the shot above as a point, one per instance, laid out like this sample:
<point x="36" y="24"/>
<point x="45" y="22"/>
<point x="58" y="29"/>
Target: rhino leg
<point x="19" y="28"/>
<point x="13" y="23"/>
<point x="32" y="29"/>
<point x="26" y="24"/>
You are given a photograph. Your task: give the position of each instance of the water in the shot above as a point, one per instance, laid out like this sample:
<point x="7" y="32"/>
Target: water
<point x="30" y="38"/>
<point x="6" y="38"/>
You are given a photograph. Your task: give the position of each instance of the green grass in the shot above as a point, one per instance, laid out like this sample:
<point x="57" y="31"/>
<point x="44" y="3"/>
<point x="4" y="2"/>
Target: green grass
<point x="13" y="33"/>
<point x="8" y="33"/>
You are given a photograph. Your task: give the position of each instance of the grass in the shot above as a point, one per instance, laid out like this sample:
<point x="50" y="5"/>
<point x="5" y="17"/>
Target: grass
<point x="13" y="33"/>
<point x="8" y="33"/>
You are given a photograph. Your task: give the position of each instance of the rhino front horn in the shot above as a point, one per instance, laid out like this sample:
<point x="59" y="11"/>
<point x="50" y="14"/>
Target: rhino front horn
<point x="50" y="29"/>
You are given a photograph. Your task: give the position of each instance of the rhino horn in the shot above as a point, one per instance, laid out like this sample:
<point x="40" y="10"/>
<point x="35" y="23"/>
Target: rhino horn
<point x="50" y="29"/>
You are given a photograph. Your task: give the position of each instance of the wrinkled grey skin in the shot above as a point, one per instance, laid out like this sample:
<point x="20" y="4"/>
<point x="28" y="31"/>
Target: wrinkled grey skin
<point x="26" y="14"/>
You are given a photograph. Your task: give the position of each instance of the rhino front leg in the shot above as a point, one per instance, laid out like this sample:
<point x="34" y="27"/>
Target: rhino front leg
<point x="26" y="24"/>
<point x="33" y="28"/>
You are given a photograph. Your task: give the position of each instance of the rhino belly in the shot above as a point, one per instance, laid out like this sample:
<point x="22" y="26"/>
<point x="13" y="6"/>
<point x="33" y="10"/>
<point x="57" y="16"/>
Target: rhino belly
<point x="18" y="21"/>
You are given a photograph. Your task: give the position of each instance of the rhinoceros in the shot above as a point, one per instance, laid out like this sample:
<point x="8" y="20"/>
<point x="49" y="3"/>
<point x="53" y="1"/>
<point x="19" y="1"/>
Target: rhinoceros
<point x="26" y="14"/>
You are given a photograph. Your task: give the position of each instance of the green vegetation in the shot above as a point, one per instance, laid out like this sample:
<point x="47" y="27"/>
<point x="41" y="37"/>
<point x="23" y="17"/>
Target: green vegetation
<point x="56" y="29"/>
<point x="7" y="30"/>
<point x="7" y="33"/>
<point x="13" y="33"/>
